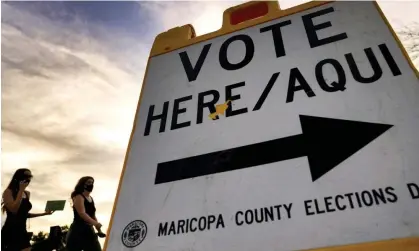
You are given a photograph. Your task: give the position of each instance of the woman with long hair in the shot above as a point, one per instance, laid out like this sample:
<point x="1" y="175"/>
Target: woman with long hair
<point x="81" y="235"/>
<point x="16" y="203"/>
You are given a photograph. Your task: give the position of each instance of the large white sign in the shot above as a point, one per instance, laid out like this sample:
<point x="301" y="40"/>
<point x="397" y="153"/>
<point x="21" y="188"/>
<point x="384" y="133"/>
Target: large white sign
<point x="318" y="146"/>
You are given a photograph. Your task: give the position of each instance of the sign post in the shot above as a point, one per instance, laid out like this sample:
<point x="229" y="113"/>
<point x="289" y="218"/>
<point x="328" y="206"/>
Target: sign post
<point x="284" y="130"/>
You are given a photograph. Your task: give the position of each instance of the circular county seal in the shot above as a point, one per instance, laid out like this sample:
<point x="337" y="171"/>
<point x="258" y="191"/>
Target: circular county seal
<point x="134" y="233"/>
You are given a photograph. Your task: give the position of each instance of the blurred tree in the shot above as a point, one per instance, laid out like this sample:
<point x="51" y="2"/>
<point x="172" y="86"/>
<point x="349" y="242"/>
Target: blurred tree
<point x="39" y="237"/>
<point x="65" y="228"/>
<point x="409" y="35"/>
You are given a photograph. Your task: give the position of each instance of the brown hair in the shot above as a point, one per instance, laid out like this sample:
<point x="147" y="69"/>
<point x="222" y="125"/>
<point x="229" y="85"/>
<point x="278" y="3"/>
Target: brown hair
<point x="79" y="188"/>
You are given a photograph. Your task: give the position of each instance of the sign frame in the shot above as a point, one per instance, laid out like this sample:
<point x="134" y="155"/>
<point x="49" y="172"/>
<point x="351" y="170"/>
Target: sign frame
<point x="183" y="36"/>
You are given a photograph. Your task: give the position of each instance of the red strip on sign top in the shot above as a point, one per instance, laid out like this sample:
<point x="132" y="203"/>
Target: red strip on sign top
<point x="250" y="12"/>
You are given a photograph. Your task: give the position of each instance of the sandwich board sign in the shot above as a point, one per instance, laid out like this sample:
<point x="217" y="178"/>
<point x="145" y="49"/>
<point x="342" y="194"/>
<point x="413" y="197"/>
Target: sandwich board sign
<point x="295" y="130"/>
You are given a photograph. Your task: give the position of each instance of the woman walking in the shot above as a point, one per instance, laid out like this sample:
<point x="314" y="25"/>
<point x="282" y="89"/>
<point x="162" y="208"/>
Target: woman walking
<point x="81" y="235"/>
<point x="16" y="203"/>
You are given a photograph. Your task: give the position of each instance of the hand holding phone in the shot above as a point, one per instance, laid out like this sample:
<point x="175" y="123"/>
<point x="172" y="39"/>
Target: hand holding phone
<point x="22" y="185"/>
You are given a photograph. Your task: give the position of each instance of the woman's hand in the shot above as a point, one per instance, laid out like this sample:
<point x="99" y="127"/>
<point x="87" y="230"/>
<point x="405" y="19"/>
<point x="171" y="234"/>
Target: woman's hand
<point x="23" y="185"/>
<point x="98" y="226"/>
<point x="49" y="212"/>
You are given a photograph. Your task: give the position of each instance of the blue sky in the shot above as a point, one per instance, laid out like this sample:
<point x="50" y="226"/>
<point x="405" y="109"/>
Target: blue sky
<point x="122" y="16"/>
<point x="71" y="78"/>
<point x="122" y="19"/>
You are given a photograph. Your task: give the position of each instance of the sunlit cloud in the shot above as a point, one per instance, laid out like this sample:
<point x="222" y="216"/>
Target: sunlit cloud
<point x="67" y="108"/>
<point x="205" y="16"/>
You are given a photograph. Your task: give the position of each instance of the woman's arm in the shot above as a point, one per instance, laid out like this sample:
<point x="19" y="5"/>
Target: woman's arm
<point x="30" y="215"/>
<point x="12" y="204"/>
<point x="101" y="234"/>
<point x="78" y="202"/>
<point x="98" y="228"/>
<point x="38" y="215"/>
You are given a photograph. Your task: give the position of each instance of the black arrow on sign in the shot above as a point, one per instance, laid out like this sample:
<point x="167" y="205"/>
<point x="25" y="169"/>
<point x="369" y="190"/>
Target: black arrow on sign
<point x="326" y="142"/>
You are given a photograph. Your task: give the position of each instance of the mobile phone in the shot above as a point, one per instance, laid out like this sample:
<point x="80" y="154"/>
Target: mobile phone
<point x="101" y="235"/>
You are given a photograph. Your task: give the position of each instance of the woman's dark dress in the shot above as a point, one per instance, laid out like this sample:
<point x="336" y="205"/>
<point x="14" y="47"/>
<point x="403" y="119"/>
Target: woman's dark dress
<point x="81" y="235"/>
<point x="14" y="235"/>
